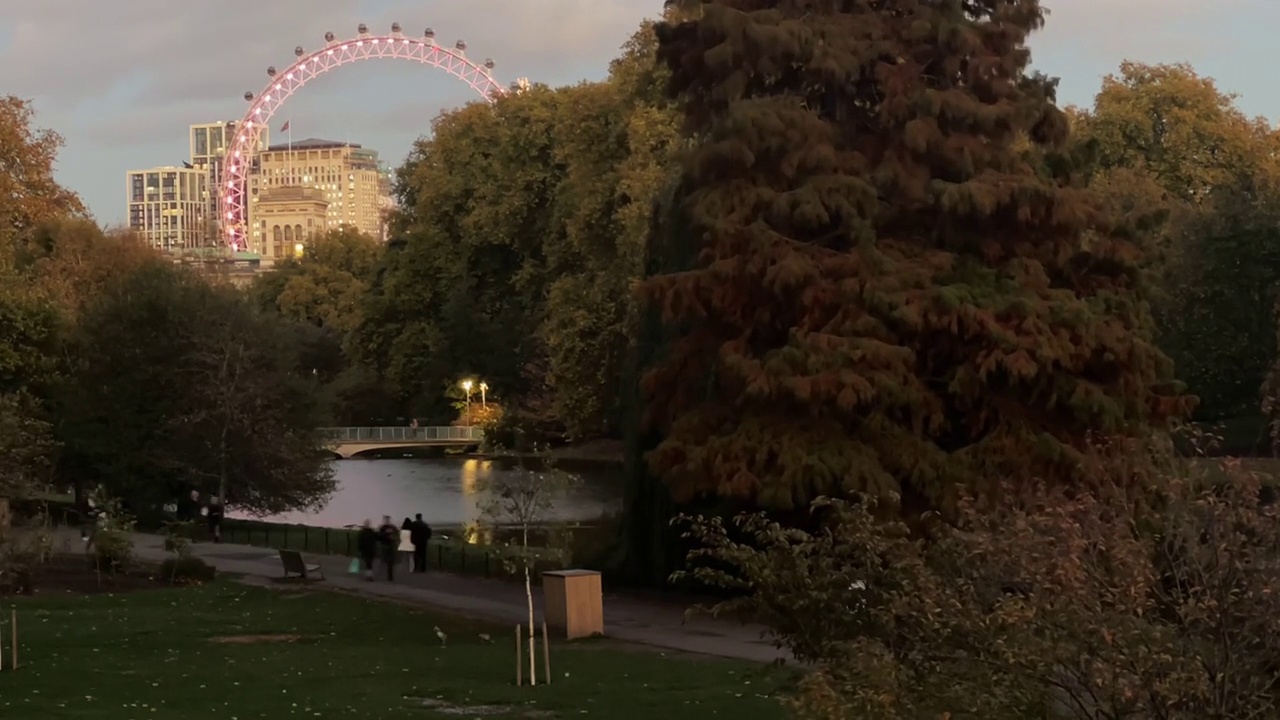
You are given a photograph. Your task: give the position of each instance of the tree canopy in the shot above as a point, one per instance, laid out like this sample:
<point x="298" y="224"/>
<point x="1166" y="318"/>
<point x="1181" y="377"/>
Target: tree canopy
<point x="901" y="285"/>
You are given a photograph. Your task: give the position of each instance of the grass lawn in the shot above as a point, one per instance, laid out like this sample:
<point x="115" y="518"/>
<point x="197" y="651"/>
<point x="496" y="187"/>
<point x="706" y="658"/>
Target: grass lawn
<point x="184" y="654"/>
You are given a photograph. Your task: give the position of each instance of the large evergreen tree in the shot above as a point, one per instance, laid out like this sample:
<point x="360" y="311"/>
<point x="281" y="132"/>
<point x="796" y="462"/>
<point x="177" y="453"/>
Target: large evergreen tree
<point x="900" y="284"/>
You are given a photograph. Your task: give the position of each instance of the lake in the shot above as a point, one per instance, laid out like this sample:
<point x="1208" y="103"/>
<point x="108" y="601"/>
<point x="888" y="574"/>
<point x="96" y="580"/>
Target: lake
<point x="447" y="491"/>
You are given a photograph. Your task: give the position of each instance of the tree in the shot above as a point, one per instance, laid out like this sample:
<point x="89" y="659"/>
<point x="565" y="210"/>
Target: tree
<point x="29" y="194"/>
<point x="1175" y="124"/>
<point x="26" y="446"/>
<point x="464" y="277"/>
<point x="900" y="287"/>
<point x="179" y="384"/>
<point x="326" y="286"/>
<point x="1068" y="606"/>
<point x="525" y="501"/>
<point x="1165" y="137"/>
<point x="616" y="140"/>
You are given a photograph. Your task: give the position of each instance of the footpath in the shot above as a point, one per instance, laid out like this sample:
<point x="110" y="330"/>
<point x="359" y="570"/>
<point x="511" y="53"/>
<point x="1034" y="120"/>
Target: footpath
<point x="657" y="624"/>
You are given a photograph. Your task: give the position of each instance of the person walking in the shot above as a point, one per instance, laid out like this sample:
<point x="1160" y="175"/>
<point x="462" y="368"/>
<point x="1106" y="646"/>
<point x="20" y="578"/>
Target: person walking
<point x="389" y="538"/>
<point x="367" y="547"/>
<point x="419" y="535"/>
<point x="214" y="517"/>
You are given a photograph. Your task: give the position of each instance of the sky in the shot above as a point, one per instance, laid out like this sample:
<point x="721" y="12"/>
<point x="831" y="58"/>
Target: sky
<point x="122" y="79"/>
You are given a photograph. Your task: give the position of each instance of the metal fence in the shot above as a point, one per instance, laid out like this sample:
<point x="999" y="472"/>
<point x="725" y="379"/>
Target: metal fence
<point x="443" y="554"/>
<point x="466" y="433"/>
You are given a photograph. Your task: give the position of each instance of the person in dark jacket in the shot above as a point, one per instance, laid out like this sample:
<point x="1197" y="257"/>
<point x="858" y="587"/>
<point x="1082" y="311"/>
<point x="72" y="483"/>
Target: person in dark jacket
<point x="215" y="514"/>
<point x="389" y="540"/>
<point x="367" y="547"/>
<point x="419" y="535"/>
<point x="189" y="507"/>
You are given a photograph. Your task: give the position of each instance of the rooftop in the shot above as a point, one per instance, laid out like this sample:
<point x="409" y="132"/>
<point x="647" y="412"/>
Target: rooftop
<point x="312" y="144"/>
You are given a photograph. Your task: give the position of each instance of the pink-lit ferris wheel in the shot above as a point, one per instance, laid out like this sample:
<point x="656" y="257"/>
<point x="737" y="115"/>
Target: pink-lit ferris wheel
<point x="238" y="162"/>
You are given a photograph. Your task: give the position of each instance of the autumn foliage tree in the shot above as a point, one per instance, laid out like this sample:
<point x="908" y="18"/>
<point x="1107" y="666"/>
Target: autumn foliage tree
<point x="1166" y="137"/>
<point x="900" y="285"/>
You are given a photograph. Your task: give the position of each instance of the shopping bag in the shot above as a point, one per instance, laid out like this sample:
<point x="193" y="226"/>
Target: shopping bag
<point x="354" y="567"/>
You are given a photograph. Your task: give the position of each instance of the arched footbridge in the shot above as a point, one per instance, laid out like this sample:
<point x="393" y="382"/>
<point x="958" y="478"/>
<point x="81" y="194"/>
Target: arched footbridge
<point x="348" y="442"/>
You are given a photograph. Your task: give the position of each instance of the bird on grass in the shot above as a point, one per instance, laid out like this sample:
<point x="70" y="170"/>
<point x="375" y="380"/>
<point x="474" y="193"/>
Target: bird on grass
<point x="444" y="639"/>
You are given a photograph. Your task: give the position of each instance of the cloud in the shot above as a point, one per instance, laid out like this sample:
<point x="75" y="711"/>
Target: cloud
<point x="75" y="51"/>
<point x="122" y="79"/>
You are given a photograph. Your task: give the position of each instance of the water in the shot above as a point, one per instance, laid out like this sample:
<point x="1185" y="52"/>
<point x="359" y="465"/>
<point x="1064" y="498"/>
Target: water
<point x="447" y="491"/>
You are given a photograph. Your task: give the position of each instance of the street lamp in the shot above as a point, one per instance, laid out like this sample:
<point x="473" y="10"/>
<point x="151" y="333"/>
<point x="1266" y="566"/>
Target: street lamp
<point x="466" y="387"/>
<point x="484" y="387"/>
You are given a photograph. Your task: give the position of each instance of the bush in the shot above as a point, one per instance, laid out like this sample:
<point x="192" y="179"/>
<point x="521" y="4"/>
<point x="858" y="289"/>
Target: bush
<point x="112" y="551"/>
<point x="184" y="570"/>
<point x="24" y="550"/>
<point x="1061" y="606"/>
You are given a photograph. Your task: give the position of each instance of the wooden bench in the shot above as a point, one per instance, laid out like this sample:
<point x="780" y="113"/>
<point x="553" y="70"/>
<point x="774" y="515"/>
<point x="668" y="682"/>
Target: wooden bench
<point x="295" y="565"/>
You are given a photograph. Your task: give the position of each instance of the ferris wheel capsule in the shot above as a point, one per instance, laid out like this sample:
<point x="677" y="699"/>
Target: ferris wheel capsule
<point x="329" y="36"/>
<point x="363" y="29"/>
<point x="395" y="27"/>
<point x="271" y="70"/>
<point x="461" y="46"/>
<point x="299" y="51"/>
<point x="248" y="96"/>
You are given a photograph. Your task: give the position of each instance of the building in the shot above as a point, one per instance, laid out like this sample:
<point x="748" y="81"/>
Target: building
<point x="208" y="145"/>
<point x="285" y="218"/>
<point x="169" y="207"/>
<point x="355" y="185"/>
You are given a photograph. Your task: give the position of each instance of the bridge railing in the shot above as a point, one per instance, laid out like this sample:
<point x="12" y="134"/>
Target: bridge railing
<point x="464" y="433"/>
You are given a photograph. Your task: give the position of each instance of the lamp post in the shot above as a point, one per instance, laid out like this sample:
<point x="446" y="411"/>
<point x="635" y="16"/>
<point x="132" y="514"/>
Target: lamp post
<point x="466" y="387"/>
<point x="484" y="387"/>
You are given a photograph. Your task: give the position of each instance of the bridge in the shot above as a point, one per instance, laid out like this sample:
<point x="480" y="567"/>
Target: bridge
<point x="351" y="441"/>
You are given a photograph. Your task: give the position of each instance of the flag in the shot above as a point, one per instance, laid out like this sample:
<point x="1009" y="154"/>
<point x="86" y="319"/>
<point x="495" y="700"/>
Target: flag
<point x="285" y="127"/>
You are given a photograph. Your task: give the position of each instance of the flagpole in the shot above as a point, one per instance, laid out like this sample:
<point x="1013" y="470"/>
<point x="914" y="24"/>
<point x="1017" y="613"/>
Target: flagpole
<point x="289" y="125"/>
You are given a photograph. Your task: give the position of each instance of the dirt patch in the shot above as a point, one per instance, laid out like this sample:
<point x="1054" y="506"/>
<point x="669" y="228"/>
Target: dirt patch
<point x="257" y="639"/>
<point x="73" y="574"/>
<point x="448" y="708"/>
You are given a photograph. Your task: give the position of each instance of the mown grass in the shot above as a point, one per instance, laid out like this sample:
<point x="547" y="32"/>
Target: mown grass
<point x="156" y="654"/>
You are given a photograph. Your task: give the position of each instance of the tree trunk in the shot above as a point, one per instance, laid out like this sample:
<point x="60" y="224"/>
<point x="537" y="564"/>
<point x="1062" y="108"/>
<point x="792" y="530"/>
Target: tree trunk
<point x="528" y="594"/>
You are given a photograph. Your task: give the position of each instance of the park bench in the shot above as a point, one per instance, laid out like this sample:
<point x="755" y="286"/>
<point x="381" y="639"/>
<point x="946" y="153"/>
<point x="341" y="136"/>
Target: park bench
<point x="295" y="565"/>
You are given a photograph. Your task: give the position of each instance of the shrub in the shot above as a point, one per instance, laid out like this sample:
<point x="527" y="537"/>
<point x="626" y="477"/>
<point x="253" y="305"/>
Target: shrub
<point x="24" y="549"/>
<point x="112" y="548"/>
<point x="1063" y="606"/>
<point x="112" y="551"/>
<point x="183" y="570"/>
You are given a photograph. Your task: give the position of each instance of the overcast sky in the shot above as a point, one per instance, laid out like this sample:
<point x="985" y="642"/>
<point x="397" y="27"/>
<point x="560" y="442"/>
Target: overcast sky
<point x="122" y="79"/>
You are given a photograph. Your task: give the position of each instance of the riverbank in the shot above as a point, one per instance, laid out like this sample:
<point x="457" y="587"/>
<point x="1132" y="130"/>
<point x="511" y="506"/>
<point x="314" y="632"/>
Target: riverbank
<point x="593" y="452"/>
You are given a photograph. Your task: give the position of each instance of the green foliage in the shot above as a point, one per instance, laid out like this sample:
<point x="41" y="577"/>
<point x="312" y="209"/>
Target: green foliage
<point x="1064" y="607"/>
<point x="900" y="286"/>
<point x="1166" y="137"/>
<point x="521" y="233"/>
<point x="111" y="546"/>
<point x="26" y="446"/>
<point x="25" y="549"/>
<point x="181" y="385"/>
<point x="326" y="286"/>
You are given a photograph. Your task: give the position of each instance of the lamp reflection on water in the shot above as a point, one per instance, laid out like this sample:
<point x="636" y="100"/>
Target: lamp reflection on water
<point x="470" y="475"/>
<point x="473" y="532"/>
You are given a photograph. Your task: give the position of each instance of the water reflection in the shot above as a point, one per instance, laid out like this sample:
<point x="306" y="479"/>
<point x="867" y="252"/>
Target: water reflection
<point x="447" y="491"/>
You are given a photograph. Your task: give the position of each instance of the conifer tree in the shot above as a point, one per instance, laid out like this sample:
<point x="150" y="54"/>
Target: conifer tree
<point x="900" y="284"/>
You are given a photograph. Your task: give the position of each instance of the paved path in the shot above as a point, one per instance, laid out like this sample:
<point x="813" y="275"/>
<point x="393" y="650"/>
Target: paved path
<point x="657" y="624"/>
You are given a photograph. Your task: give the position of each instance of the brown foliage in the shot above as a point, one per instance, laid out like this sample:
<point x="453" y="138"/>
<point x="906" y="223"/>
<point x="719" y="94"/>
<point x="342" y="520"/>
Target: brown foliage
<point x="29" y="194"/>
<point x="1069" y="606"/>
<point x="901" y="287"/>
